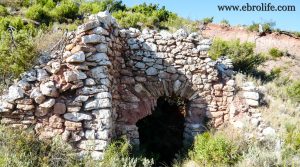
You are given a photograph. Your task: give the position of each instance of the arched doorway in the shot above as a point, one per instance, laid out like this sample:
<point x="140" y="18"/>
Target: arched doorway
<point x="161" y="133"/>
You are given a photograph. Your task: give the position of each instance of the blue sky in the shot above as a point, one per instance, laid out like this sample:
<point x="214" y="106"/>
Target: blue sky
<point x="197" y="9"/>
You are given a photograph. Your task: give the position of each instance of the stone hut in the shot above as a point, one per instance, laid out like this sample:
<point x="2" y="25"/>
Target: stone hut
<point x="107" y="78"/>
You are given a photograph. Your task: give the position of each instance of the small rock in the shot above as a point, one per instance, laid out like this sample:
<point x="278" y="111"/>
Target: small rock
<point x="30" y="76"/>
<point x="93" y="39"/>
<point x="87" y="26"/>
<point x="76" y="117"/>
<point x="72" y="126"/>
<point x="40" y="112"/>
<point x="74" y="75"/>
<point x="56" y="122"/>
<point x="49" y="89"/>
<point x="59" y="108"/>
<point x="25" y="107"/>
<point x="48" y="103"/>
<point x="103" y="95"/>
<point x="101" y="48"/>
<point x="269" y="132"/>
<point x="97" y="104"/>
<point x="42" y="74"/>
<point x="95" y="145"/>
<point x="100" y="31"/>
<point x="81" y="98"/>
<point x="78" y="57"/>
<point x="151" y="71"/>
<point x="251" y="95"/>
<point x="37" y="96"/>
<point x="89" y="134"/>
<point x="252" y="103"/>
<point x="90" y="82"/>
<point x="14" y="93"/>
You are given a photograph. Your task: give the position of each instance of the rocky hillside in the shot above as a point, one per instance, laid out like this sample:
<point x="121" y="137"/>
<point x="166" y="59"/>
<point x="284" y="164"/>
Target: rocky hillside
<point x="285" y="43"/>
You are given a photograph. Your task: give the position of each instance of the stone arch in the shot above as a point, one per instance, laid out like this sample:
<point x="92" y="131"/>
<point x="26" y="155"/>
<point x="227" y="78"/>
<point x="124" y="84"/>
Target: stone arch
<point x="164" y="64"/>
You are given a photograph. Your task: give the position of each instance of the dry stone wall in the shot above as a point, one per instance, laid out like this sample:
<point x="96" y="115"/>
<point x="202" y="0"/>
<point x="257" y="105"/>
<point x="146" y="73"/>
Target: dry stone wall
<point x="108" y="78"/>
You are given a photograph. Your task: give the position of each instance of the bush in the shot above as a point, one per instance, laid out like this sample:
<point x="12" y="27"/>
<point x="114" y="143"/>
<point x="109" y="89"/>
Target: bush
<point x="23" y="148"/>
<point x="3" y="11"/>
<point x="242" y="54"/>
<point x="175" y="22"/>
<point x="118" y="154"/>
<point x="266" y="27"/>
<point x="67" y="9"/>
<point x="97" y="6"/>
<point x="15" y="3"/>
<point x="275" y="53"/>
<point x="144" y="15"/>
<point x="16" y="57"/>
<point x="208" y="20"/>
<point x="209" y="150"/>
<point x="39" y="13"/>
<point x="294" y="91"/>
<point x="225" y="22"/>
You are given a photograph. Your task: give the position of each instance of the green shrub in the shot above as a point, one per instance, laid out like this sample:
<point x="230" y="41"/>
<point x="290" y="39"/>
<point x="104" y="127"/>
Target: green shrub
<point x="67" y="9"/>
<point x="39" y="13"/>
<point x="128" y="19"/>
<point x="294" y="91"/>
<point x="175" y="22"/>
<point x="209" y="150"/>
<point x="267" y="27"/>
<point x="144" y="15"/>
<point x="242" y="54"/>
<point x="93" y="7"/>
<point x="207" y="20"/>
<point x="3" y="11"/>
<point x="16" y="57"/>
<point x="23" y="148"/>
<point x="275" y="53"/>
<point x="224" y="22"/>
<point x="118" y="154"/>
<point x="15" y="3"/>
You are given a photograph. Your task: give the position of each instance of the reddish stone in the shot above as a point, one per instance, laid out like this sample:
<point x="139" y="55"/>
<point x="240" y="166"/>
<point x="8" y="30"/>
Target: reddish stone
<point x="73" y="126"/>
<point x="59" y="108"/>
<point x="56" y="122"/>
<point x="40" y="112"/>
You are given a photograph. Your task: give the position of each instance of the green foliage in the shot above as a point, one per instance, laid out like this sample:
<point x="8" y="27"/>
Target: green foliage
<point x="143" y="15"/>
<point x="209" y="150"/>
<point x="23" y="148"/>
<point x="207" y="20"/>
<point x="118" y="154"/>
<point x="291" y="141"/>
<point x="3" y="11"/>
<point x="39" y="13"/>
<point x="275" y="53"/>
<point x="67" y="9"/>
<point x="294" y="91"/>
<point x="93" y="7"/>
<point x="137" y="20"/>
<point x="267" y="27"/>
<point x="15" y="3"/>
<point x="16" y="57"/>
<point x="225" y="22"/>
<point x="242" y="54"/>
<point x="175" y="22"/>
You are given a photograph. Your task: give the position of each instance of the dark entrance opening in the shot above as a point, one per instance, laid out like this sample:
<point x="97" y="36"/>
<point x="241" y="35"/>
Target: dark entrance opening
<point x="161" y="133"/>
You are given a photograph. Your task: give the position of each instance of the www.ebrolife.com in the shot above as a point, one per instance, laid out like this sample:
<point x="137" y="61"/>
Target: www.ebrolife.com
<point x="263" y="7"/>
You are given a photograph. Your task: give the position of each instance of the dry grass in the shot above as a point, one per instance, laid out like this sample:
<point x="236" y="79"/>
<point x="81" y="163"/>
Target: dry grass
<point x="46" y="40"/>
